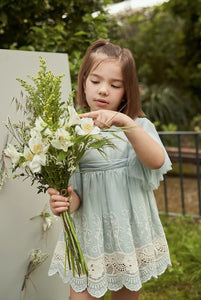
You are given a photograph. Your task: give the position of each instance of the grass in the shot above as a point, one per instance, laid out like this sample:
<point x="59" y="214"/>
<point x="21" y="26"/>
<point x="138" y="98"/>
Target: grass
<point x="183" y="279"/>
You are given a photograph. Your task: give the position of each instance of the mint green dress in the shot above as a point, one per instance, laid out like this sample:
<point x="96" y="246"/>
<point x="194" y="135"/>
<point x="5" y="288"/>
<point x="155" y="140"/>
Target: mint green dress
<point x="117" y="224"/>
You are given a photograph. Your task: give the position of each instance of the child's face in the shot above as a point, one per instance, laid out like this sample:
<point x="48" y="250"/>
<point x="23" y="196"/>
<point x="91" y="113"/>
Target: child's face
<point x="104" y="88"/>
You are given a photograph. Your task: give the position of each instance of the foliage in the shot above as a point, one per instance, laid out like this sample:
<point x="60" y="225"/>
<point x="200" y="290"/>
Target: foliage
<point x="196" y="123"/>
<point x="44" y="97"/>
<point x="182" y="280"/>
<point x="53" y="26"/>
<point x="170" y="127"/>
<point x="164" y="104"/>
<point x="165" y="41"/>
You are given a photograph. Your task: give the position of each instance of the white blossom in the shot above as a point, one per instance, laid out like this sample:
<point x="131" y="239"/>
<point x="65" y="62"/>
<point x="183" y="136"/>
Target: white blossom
<point x="48" y="132"/>
<point x="40" y="124"/>
<point x="38" y="145"/>
<point x="28" y="155"/>
<point x="47" y="223"/>
<point x="73" y="117"/>
<point x="34" y="133"/>
<point x="62" y="140"/>
<point x="12" y="152"/>
<point x="37" y="161"/>
<point x="87" y="127"/>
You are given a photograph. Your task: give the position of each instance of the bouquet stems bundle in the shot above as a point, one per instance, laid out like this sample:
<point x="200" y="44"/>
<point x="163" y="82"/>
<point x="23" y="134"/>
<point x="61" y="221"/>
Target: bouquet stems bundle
<point x="76" y="261"/>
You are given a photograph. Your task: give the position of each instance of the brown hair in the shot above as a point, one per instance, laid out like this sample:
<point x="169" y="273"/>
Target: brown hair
<point x="132" y="104"/>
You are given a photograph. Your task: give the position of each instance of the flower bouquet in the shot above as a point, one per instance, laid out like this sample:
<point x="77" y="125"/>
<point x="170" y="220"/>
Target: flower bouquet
<point x="49" y="145"/>
<point x="36" y="259"/>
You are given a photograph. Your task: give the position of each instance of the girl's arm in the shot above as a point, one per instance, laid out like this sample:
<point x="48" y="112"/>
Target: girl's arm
<point x="147" y="149"/>
<point x="59" y="203"/>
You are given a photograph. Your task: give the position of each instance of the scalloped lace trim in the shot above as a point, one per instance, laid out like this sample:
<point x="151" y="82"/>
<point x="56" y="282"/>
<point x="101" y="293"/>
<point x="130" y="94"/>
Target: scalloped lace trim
<point x="112" y="271"/>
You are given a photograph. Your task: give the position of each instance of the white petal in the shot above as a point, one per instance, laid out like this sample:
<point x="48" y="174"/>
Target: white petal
<point x="45" y="227"/>
<point x="56" y="144"/>
<point x="96" y="130"/>
<point x="40" y="124"/>
<point x="73" y="116"/>
<point x="12" y="152"/>
<point x="38" y="145"/>
<point x="87" y="124"/>
<point x="79" y="130"/>
<point x="35" y="164"/>
<point x="48" y="132"/>
<point x="28" y="154"/>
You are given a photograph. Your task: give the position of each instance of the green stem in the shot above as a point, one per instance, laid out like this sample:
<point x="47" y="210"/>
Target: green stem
<point x="82" y="260"/>
<point x="73" y="246"/>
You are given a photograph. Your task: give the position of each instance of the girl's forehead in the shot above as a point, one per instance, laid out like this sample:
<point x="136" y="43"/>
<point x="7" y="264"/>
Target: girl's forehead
<point x="105" y="61"/>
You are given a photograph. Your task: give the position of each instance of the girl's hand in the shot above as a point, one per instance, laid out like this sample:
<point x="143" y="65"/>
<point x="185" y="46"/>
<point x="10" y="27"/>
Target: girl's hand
<point x="59" y="203"/>
<point x="146" y="148"/>
<point x="106" y="118"/>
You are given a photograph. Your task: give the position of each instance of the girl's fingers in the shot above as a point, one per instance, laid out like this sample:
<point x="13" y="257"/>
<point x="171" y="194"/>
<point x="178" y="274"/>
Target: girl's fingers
<point x="88" y="115"/>
<point x="70" y="191"/>
<point x="59" y="203"/>
<point x="52" y="191"/>
<point x="56" y="211"/>
<point x="59" y="206"/>
<point x="103" y="118"/>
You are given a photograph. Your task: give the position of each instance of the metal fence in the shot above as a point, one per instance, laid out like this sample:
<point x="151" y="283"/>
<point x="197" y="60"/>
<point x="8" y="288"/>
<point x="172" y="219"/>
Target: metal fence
<point x="183" y="153"/>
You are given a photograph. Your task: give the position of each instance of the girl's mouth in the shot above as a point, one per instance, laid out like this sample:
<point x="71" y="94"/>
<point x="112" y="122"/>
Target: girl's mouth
<point x="101" y="102"/>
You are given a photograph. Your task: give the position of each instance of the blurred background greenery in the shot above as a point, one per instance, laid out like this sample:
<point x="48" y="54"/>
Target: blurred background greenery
<point x="165" y="41"/>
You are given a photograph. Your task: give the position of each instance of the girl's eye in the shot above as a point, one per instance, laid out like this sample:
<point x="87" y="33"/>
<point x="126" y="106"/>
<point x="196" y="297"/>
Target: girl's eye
<point x="115" y="86"/>
<point x="95" y="81"/>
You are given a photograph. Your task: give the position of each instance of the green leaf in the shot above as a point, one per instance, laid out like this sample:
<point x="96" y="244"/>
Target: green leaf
<point x="80" y="33"/>
<point x="100" y="144"/>
<point x="61" y="156"/>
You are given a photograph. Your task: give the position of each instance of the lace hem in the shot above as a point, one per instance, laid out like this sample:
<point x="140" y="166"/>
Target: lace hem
<point x="113" y="271"/>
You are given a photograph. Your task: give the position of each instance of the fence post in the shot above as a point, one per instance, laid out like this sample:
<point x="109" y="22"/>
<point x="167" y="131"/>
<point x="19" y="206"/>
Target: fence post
<point x="198" y="171"/>
<point x="181" y="174"/>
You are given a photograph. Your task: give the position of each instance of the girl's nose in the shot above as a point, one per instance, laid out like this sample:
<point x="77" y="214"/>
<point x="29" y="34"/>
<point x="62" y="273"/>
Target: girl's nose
<point x="103" y="90"/>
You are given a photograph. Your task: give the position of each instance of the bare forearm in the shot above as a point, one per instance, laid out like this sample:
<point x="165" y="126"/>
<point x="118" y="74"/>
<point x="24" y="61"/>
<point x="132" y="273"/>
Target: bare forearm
<point x="147" y="149"/>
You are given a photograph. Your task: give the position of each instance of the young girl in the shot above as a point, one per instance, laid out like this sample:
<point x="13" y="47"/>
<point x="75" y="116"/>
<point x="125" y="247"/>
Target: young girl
<point x="111" y="198"/>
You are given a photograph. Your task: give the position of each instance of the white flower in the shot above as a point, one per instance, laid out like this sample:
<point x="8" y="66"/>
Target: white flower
<point x="35" y="133"/>
<point x="40" y="124"/>
<point x="47" y="223"/>
<point x="12" y="152"/>
<point x="38" y="145"/>
<point x="73" y="117"/>
<point x="28" y="154"/>
<point x="62" y="140"/>
<point x="87" y="127"/>
<point x="48" y="132"/>
<point x="37" y="161"/>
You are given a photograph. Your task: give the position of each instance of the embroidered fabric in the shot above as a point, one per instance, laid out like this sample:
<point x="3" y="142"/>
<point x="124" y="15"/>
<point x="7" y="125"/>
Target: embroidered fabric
<point x="115" y="270"/>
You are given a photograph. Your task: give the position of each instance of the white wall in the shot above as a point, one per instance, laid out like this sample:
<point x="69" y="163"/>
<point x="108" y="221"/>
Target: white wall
<point x="18" y="200"/>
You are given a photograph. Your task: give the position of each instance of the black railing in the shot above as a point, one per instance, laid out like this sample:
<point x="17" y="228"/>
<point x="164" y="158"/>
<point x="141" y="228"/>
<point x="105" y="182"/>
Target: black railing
<point x="181" y="154"/>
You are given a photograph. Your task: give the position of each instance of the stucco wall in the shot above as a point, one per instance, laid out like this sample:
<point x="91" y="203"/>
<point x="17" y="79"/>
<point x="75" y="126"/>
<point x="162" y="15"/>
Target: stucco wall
<point x="18" y="200"/>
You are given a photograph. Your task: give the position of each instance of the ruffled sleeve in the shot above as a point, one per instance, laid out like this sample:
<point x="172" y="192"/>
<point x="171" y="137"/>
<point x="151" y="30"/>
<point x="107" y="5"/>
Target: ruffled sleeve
<point x="149" y="178"/>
